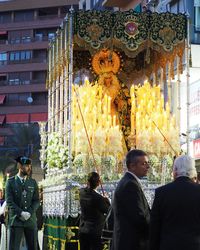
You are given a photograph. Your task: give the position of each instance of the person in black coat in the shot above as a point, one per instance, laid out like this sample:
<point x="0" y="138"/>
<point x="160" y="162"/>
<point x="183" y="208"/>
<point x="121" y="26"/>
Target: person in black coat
<point x="93" y="210"/>
<point x="175" y="216"/>
<point x="130" y="207"/>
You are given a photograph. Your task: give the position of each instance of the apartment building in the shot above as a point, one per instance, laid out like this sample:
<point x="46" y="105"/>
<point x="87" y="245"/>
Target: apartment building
<point x="123" y="5"/>
<point x="25" y="30"/>
<point x="93" y="4"/>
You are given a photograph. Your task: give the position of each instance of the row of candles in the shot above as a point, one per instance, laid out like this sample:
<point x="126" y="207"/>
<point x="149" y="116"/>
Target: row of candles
<point x="95" y="107"/>
<point x="150" y="116"/>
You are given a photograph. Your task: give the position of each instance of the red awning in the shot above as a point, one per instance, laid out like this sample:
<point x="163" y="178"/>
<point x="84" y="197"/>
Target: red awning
<point x="3" y="32"/>
<point x="2" y="98"/>
<point x="2" y="139"/>
<point x="17" y="118"/>
<point x="39" y="117"/>
<point x="2" y="118"/>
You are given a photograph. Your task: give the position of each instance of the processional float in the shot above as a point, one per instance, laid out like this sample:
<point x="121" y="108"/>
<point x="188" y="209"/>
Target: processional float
<point x="110" y="89"/>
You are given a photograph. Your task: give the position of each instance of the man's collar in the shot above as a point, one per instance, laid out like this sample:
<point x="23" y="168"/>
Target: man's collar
<point x="21" y="178"/>
<point x="138" y="180"/>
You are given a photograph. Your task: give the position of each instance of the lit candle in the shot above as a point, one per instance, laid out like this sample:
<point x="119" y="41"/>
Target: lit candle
<point x="114" y="120"/>
<point x="109" y="104"/>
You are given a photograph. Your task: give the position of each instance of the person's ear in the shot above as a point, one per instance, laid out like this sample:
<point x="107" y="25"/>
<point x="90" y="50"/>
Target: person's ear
<point x="174" y="174"/>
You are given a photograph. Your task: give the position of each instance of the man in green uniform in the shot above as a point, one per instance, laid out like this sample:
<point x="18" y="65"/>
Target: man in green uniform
<point x="22" y="200"/>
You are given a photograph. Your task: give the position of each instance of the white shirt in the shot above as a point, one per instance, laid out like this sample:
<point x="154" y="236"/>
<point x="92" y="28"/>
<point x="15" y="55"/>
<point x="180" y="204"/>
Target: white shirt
<point x="138" y="180"/>
<point x="3" y="208"/>
<point x="21" y="178"/>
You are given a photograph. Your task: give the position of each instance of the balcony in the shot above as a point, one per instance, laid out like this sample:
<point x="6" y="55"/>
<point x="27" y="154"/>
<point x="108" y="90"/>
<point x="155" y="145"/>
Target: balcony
<point x="33" y="87"/>
<point x="125" y="5"/>
<point x="21" y="82"/>
<point x="27" y="108"/>
<point x="36" y="64"/>
<point x="39" y="22"/>
<point x="3" y="42"/>
<point x="25" y="103"/>
<point x="22" y="44"/>
<point x="32" y="60"/>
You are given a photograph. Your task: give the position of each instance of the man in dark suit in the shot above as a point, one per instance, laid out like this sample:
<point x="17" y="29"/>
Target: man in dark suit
<point x="130" y="207"/>
<point x="93" y="209"/>
<point x="22" y="200"/>
<point x="175" y="217"/>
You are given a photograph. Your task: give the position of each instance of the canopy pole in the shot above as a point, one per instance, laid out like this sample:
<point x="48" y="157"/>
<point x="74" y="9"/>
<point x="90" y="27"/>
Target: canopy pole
<point x="188" y="84"/>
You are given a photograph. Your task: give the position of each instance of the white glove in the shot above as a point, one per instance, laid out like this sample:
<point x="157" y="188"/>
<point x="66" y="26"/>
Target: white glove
<point x="25" y="215"/>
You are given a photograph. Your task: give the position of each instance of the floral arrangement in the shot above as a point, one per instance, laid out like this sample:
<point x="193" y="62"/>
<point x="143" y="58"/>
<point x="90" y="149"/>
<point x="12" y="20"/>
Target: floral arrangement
<point x="106" y="165"/>
<point x="57" y="153"/>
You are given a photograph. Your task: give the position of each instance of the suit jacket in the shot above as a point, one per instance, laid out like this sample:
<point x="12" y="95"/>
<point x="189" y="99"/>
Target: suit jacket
<point x="175" y="217"/>
<point x="20" y="198"/>
<point x="131" y="216"/>
<point x="93" y="209"/>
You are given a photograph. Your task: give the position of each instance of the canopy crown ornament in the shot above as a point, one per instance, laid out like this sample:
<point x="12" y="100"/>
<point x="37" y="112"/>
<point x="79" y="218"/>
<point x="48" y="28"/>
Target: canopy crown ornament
<point x="131" y="28"/>
<point x="106" y="61"/>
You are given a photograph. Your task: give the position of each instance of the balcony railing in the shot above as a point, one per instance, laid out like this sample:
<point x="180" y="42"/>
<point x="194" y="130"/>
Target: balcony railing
<point x="3" y="41"/>
<point x="32" y="60"/>
<point x="50" y="17"/>
<point x="21" y="82"/>
<point x="25" y="103"/>
<point x="38" y="18"/>
<point x="25" y="40"/>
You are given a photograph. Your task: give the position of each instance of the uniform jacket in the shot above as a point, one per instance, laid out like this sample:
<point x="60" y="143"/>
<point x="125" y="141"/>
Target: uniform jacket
<point x="131" y="216"/>
<point x="22" y="197"/>
<point x="175" y="217"/>
<point x="93" y="209"/>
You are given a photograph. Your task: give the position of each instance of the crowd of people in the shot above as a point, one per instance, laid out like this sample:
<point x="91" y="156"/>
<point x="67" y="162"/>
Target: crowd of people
<point x="173" y="222"/>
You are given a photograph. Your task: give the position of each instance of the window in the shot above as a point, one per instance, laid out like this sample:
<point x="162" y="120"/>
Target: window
<point x="26" y="39"/>
<point x="39" y="75"/>
<point x="25" y="55"/>
<point x="197" y="15"/>
<point x="18" y="98"/>
<point x="12" y="97"/>
<point x="21" y="16"/>
<point x="14" y="81"/>
<point x="14" y="56"/>
<point x="5" y="17"/>
<point x="39" y="36"/>
<point x="23" y="97"/>
<point x="16" y="78"/>
<point x="3" y="56"/>
<point x="51" y="36"/>
<point x="20" y="55"/>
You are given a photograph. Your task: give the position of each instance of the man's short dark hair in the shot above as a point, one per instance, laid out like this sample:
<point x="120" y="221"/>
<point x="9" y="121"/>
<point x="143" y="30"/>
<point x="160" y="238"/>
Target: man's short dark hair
<point x="93" y="179"/>
<point x="132" y="156"/>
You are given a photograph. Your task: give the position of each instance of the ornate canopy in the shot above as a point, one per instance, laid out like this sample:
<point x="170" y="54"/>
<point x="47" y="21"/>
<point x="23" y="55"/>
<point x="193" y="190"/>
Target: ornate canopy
<point x="146" y="41"/>
<point x="129" y="31"/>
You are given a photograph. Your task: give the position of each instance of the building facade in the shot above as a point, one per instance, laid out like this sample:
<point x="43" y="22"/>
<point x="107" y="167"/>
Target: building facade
<point x="93" y="4"/>
<point x="25" y="30"/>
<point x="124" y="5"/>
